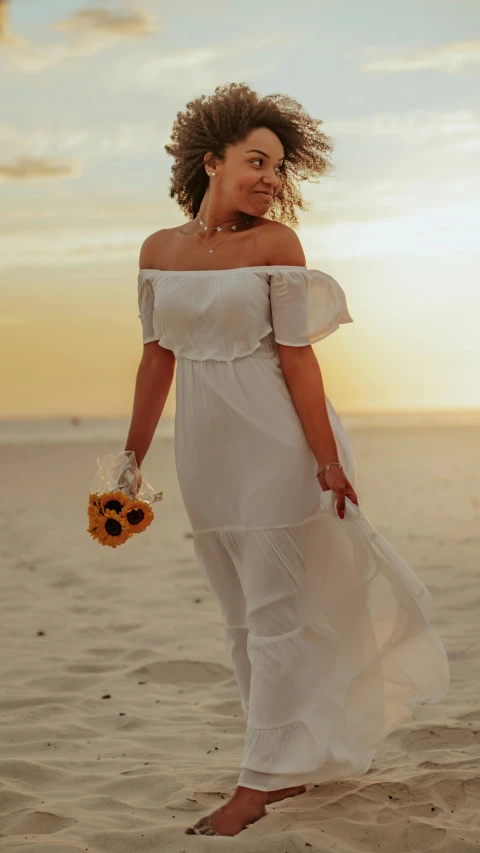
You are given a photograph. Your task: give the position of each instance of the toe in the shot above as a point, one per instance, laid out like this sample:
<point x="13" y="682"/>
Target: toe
<point x="202" y="827"/>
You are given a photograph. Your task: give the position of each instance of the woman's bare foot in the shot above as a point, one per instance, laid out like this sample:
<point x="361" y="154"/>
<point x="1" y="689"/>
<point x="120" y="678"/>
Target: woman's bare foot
<point x="245" y="806"/>
<point x="283" y="793"/>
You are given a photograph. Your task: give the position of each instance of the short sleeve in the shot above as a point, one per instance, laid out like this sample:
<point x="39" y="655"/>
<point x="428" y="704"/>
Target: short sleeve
<point x="307" y="305"/>
<point x="146" y="298"/>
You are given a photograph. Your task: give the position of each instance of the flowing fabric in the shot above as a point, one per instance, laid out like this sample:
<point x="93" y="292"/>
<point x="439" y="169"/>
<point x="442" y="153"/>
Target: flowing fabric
<point x="327" y="628"/>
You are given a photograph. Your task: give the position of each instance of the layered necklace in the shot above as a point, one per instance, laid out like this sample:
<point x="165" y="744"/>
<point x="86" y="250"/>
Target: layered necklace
<point x="218" y="228"/>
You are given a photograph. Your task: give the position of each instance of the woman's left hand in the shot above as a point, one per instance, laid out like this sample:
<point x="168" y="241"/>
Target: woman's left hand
<point x="335" y="480"/>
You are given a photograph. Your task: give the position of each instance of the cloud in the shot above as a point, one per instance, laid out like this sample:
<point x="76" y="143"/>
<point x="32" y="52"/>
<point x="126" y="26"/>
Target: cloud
<point x="28" y="168"/>
<point x="37" y="150"/>
<point x="87" y="31"/>
<point x="448" y="58"/>
<point x="7" y="37"/>
<point x="118" y="24"/>
<point x="428" y="229"/>
<point x="8" y="322"/>
<point x="42" y="151"/>
<point x="356" y="200"/>
<point x="200" y="67"/>
<point x="423" y="230"/>
<point x="460" y="127"/>
<point x="3" y="20"/>
<point x="72" y="245"/>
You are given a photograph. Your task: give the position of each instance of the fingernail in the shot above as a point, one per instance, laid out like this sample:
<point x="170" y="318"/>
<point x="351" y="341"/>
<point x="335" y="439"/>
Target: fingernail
<point x="342" y="513"/>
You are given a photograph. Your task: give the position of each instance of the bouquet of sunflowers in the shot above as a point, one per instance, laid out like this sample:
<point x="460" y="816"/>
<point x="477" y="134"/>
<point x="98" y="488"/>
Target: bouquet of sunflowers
<point x="120" y="500"/>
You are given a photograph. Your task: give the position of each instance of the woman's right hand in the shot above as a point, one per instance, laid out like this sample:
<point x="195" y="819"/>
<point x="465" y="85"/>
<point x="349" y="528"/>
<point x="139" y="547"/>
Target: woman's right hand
<point x="137" y="482"/>
<point x="130" y="482"/>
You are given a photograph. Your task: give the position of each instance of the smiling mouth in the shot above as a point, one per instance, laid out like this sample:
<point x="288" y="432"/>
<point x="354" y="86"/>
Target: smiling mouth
<point x="265" y="194"/>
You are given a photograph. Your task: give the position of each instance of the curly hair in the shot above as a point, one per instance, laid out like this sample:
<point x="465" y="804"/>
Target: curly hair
<point x="227" y="117"/>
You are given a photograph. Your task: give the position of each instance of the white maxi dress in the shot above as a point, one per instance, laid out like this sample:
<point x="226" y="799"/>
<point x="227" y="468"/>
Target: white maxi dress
<point x="326" y="626"/>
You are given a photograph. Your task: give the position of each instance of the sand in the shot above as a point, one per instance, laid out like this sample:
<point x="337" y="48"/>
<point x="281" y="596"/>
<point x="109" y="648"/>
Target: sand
<point x="121" y="720"/>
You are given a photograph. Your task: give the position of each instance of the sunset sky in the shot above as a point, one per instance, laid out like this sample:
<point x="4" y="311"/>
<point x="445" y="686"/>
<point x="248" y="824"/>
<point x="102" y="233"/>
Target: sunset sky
<point x="89" y="92"/>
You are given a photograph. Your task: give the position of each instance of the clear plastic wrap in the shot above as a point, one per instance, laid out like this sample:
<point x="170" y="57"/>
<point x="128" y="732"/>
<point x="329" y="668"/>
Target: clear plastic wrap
<point x="120" y="499"/>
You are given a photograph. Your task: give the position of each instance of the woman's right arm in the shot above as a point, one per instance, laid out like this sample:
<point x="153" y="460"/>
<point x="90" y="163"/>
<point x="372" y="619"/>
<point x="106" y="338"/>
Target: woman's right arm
<point x="154" y="378"/>
<point x="154" y="375"/>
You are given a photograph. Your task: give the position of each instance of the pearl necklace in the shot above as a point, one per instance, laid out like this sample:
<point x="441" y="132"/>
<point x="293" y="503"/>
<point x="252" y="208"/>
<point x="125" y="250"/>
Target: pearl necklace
<point x="217" y="228"/>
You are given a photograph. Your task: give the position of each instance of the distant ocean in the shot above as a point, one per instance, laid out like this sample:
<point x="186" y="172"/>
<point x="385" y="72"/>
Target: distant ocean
<point x="64" y="429"/>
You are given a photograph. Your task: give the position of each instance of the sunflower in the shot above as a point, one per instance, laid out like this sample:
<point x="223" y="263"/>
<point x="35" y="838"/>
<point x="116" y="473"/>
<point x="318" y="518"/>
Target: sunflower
<point x="109" y="528"/>
<point x="139" y="515"/>
<point x="93" y="505"/>
<point x="118" y="501"/>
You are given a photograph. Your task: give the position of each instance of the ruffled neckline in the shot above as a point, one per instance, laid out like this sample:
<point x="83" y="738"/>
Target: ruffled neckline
<point x="228" y="269"/>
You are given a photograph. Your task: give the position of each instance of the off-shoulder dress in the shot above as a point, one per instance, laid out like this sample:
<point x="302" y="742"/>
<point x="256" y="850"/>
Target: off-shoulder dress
<point x="326" y="626"/>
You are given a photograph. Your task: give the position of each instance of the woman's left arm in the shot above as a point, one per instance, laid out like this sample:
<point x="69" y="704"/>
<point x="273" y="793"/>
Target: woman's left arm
<point x="304" y="381"/>
<point x="299" y="364"/>
<point x="306" y="306"/>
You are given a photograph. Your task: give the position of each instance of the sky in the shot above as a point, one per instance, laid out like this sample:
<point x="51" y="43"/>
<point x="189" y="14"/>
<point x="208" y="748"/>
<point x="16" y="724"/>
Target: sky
<point x="89" y="92"/>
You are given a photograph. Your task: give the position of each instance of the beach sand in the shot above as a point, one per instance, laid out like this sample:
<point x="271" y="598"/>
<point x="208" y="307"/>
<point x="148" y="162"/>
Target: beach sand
<point x="121" y="720"/>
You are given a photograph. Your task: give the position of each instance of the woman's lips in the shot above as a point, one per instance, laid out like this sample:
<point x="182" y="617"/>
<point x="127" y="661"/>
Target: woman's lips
<point x="266" y="196"/>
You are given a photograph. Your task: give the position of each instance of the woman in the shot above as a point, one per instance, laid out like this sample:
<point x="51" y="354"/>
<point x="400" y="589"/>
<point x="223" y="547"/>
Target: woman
<point x="326" y="626"/>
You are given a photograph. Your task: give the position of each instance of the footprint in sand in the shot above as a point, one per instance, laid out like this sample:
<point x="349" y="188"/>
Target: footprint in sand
<point x="189" y="671"/>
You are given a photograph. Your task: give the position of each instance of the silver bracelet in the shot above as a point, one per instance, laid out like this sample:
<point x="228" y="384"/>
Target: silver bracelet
<point x="328" y="466"/>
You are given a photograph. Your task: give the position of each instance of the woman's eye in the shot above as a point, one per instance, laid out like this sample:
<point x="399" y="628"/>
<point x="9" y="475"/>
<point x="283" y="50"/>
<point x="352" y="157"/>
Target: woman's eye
<point x="260" y="160"/>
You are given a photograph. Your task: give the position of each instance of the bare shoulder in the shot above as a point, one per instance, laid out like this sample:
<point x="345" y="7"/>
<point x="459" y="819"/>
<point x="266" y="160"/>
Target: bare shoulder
<point x="283" y="246"/>
<point x="151" y="249"/>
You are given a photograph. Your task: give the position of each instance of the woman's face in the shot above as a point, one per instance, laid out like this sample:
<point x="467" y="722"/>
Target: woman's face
<point x="250" y="175"/>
